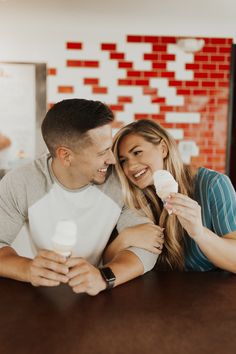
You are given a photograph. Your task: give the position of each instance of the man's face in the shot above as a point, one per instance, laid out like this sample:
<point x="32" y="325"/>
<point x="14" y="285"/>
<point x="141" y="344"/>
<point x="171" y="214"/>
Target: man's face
<point x="90" y="163"/>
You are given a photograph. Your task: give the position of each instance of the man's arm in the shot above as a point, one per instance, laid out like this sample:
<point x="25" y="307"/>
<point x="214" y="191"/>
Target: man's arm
<point x="85" y="278"/>
<point x="47" y="268"/>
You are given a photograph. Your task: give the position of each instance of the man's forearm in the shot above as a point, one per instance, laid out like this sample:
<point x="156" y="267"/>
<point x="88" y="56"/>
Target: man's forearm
<point x="126" y="266"/>
<point x="14" y="266"/>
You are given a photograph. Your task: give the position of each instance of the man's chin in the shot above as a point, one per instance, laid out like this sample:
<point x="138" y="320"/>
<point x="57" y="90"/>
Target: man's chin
<point x="98" y="181"/>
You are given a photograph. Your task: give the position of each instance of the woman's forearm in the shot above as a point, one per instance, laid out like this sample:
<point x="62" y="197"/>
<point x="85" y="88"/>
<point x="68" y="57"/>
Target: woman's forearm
<point x="221" y="251"/>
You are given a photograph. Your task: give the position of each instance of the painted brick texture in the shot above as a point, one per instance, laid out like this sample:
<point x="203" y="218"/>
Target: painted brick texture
<point x="152" y="77"/>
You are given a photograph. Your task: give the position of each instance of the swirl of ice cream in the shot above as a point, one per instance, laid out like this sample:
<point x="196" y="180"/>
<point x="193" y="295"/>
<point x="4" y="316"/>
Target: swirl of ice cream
<point x="64" y="238"/>
<point x="164" y="184"/>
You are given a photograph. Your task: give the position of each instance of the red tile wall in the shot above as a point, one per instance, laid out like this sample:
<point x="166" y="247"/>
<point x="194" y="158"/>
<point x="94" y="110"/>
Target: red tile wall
<point x="207" y="93"/>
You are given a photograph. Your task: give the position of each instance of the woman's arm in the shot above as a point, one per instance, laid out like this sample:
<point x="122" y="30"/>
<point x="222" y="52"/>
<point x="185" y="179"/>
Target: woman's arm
<point x="221" y="251"/>
<point x="146" y="236"/>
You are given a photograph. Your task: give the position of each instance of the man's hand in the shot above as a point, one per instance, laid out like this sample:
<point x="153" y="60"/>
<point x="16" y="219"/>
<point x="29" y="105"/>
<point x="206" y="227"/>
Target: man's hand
<point x="48" y="269"/>
<point x="84" y="277"/>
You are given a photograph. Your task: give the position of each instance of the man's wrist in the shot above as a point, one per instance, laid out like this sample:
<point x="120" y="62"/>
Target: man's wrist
<point x="108" y="277"/>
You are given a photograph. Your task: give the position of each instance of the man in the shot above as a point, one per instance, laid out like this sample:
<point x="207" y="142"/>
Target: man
<point x="72" y="182"/>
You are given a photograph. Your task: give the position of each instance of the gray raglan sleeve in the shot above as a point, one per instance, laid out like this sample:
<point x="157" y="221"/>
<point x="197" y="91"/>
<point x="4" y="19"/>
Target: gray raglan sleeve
<point x="12" y="211"/>
<point x="130" y="218"/>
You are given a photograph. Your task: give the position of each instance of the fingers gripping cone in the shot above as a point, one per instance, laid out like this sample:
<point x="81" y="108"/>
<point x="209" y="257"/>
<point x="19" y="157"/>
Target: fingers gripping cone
<point x="165" y="184"/>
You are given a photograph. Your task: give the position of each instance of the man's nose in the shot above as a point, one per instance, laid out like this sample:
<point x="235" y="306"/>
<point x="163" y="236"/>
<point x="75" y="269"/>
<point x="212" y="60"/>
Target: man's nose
<point x="111" y="159"/>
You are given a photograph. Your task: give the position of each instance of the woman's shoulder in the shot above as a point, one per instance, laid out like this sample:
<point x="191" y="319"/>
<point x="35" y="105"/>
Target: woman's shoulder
<point x="209" y="176"/>
<point x="207" y="179"/>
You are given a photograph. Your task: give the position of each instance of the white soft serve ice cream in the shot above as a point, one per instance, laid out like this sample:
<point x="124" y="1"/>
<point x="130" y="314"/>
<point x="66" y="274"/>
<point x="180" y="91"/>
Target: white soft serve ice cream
<point x="64" y="238"/>
<point x="164" y="184"/>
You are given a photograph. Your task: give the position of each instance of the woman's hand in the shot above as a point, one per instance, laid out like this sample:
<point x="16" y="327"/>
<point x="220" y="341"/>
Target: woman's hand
<point x="146" y="236"/>
<point x="188" y="212"/>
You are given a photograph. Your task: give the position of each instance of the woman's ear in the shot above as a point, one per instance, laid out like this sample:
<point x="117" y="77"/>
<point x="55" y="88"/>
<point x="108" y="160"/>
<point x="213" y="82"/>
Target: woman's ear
<point x="164" y="149"/>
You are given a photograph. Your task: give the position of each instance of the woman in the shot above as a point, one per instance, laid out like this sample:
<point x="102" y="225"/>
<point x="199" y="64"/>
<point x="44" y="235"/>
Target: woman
<point x="200" y="233"/>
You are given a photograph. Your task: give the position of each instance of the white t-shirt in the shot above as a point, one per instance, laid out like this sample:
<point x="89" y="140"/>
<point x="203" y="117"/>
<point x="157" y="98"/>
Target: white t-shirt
<point x="31" y="194"/>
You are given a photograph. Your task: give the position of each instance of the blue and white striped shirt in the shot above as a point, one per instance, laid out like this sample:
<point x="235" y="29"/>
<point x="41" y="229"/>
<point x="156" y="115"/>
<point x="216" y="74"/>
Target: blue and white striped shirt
<point x="216" y="196"/>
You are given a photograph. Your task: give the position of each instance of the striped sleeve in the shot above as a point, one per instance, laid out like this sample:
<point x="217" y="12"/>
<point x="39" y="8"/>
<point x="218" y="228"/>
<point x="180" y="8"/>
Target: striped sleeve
<point x="223" y="205"/>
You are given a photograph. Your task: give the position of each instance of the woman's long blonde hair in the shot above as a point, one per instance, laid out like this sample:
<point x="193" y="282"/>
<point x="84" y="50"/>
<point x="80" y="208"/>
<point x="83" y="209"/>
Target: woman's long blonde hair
<point x="147" y="200"/>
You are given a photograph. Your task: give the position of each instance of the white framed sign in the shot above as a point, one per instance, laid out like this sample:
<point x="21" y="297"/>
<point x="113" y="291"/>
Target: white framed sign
<point x="22" y="108"/>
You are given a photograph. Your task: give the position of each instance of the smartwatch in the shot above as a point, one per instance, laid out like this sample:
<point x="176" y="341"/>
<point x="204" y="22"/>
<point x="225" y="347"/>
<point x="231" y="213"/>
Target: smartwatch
<point x="108" y="276"/>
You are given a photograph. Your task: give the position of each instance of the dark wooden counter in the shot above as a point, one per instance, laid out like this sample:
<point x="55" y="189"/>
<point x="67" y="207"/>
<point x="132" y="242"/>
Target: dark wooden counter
<point x="164" y="313"/>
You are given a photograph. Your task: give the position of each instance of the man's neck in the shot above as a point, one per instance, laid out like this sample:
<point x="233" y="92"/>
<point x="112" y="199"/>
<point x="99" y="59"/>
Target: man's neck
<point x="64" y="177"/>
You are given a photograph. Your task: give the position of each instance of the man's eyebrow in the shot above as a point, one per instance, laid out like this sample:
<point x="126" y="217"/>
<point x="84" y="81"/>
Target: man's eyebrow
<point x="101" y="152"/>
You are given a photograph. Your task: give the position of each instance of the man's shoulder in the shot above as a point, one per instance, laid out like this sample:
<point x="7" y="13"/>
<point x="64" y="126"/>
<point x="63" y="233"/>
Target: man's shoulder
<point x="29" y="176"/>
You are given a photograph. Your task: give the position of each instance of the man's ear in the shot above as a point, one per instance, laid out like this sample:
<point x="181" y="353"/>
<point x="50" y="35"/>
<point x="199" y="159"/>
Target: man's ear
<point x="64" y="154"/>
<point x="164" y="149"/>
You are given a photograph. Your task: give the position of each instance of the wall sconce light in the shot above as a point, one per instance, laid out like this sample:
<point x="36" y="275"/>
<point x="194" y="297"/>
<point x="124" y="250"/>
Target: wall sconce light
<point x="190" y="45"/>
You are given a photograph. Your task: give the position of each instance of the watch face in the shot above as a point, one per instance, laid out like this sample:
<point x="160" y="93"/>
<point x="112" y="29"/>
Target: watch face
<point x="108" y="274"/>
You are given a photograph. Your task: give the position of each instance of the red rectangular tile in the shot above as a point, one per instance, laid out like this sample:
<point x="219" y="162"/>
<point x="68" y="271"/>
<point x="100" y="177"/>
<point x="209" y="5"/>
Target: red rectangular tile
<point x="117" y="56"/>
<point x="159" y="48"/>
<point x="133" y="73"/>
<point x="183" y="92"/>
<point x="91" y="81"/>
<point x="91" y="63"/>
<point x="134" y="39"/>
<point x="209" y="49"/>
<point x="141" y="82"/>
<point x="125" y="82"/>
<point x="74" y="45"/>
<point x="208" y="84"/>
<point x="150" y="39"/>
<point x="201" y="75"/>
<point x="219" y="41"/>
<point x="168" y="57"/>
<point x="52" y="71"/>
<point x="223" y="84"/>
<point x="191" y="83"/>
<point x="225" y="67"/>
<point x="168" y="39"/>
<point x="217" y="58"/>
<point x="225" y="49"/>
<point x="217" y="75"/>
<point x="74" y="63"/>
<point x="150" y="74"/>
<point x="116" y="107"/>
<point x="209" y="67"/>
<point x="200" y="92"/>
<point x="199" y="57"/>
<point x="108" y="46"/>
<point x="125" y="64"/>
<point x="140" y="116"/>
<point x="148" y="56"/>
<point x="176" y="83"/>
<point x="192" y="66"/>
<point x="168" y="74"/>
<point x="158" y="100"/>
<point x="149" y="91"/>
<point x="101" y="90"/>
<point x="158" y="65"/>
<point x="65" y="89"/>
<point x="125" y="99"/>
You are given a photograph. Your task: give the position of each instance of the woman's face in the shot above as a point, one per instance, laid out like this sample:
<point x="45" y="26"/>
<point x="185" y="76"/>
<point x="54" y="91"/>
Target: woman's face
<point x="140" y="159"/>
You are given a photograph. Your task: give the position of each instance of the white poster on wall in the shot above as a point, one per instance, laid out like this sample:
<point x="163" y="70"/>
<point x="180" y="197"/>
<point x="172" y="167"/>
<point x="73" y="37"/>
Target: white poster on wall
<point x="17" y="113"/>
